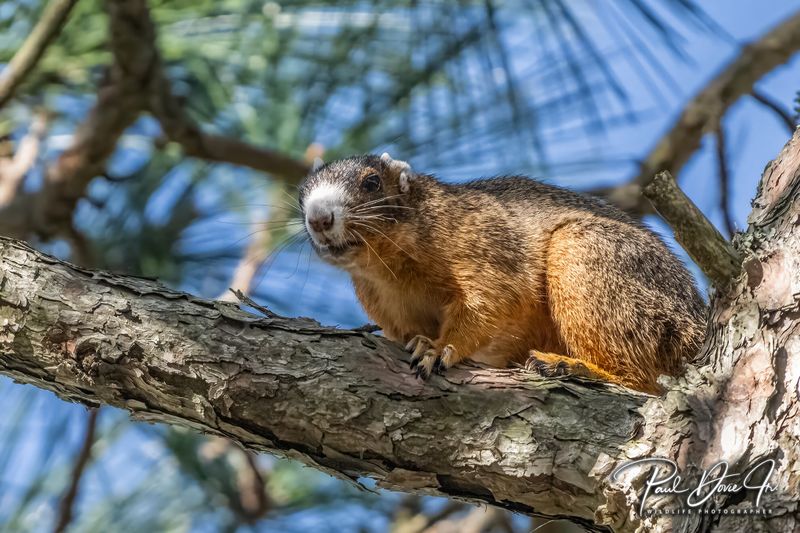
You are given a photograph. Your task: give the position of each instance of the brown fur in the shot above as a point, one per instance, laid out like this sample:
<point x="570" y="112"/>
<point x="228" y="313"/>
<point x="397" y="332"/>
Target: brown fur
<point x="510" y="270"/>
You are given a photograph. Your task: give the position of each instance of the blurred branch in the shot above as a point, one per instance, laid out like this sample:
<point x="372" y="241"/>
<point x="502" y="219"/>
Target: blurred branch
<point x="478" y="520"/>
<point x="136" y="81"/>
<point x="65" y="508"/>
<point x="252" y="487"/>
<point x="221" y="149"/>
<point x="693" y="231"/>
<point x="262" y="242"/>
<point x="179" y="126"/>
<point x="776" y="108"/>
<point x="703" y="112"/>
<point x="724" y="180"/>
<point x="25" y="59"/>
<point x="14" y="169"/>
<point x="241" y="483"/>
<point x="256" y="253"/>
<point x="409" y="518"/>
<point x="47" y="213"/>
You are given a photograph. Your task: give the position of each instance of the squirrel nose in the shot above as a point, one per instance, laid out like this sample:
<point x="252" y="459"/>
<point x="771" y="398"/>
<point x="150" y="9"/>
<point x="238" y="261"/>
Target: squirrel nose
<point x="321" y="221"/>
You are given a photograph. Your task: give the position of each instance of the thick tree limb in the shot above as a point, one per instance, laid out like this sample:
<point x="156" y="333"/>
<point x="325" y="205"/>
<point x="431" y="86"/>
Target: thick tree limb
<point x="46" y="29"/>
<point x="694" y="232"/>
<point x="703" y="112"/>
<point x="342" y="401"/>
<point x="741" y="405"/>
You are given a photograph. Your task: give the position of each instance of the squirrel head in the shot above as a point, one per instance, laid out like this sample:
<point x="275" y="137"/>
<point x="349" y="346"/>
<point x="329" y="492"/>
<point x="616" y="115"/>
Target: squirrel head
<point x="349" y="203"/>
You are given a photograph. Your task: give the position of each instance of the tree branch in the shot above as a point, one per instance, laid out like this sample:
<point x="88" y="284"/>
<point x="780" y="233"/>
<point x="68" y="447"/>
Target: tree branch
<point x="136" y="81"/>
<point x="693" y="231"/>
<point x="85" y="453"/>
<point x="703" y="112"/>
<point x="724" y="180"/>
<point x="48" y="212"/>
<point x="221" y="149"/>
<point x="179" y="126"/>
<point x="782" y="114"/>
<point x="14" y="169"/>
<point x="342" y="401"/>
<point x="47" y="28"/>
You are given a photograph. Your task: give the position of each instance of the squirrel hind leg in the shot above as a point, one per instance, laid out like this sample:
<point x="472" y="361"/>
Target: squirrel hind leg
<point x="609" y="305"/>
<point x="549" y="364"/>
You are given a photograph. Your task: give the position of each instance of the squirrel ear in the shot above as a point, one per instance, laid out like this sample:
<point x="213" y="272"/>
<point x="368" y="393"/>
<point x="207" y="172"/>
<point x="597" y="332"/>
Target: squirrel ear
<point x="317" y="164"/>
<point x="407" y="175"/>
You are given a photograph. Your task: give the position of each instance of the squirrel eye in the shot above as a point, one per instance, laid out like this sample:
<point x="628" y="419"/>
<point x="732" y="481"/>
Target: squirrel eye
<point x="371" y="183"/>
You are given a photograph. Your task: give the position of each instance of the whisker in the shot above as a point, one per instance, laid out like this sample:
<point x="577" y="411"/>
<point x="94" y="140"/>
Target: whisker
<point x="268" y="223"/>
<point x="374" y="217"/>
<point x="377" y="200"/>
<point x="294" y="201"/>
<point x="367" y="226"/>
<point x="269" y="261"/>
<point x="308" y="266"/>
<point x="295" y="208"/>
<point x="273" y="206"/>
<point x="388" y="206"/>
<point x="361" y="238"/>
<point x="376" y="254"/>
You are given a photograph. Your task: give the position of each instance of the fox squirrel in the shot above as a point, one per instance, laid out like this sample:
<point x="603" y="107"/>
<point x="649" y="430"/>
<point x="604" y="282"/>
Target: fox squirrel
<point x="504" y="271"/>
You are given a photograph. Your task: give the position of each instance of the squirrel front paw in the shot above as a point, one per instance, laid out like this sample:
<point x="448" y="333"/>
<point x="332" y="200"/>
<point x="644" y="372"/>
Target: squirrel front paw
<point x="426" y="359"/>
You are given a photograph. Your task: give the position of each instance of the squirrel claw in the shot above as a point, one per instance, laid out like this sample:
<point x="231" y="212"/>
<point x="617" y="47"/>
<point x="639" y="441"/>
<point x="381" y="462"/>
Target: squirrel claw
<point x="426" y="360"/>
<point x="546" y="366"/>
<point x="428" y="364"/>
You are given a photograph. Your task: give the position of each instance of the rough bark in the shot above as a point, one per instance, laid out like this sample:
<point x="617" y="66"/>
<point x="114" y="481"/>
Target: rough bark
<point x="706" y="246"/>
<point x="739" y="402"/>
<point x="342" y="401"/>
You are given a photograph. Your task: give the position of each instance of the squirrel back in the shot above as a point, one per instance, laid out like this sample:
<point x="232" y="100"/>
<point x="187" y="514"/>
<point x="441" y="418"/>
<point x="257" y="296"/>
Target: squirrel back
<point x="505" y="271"/>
